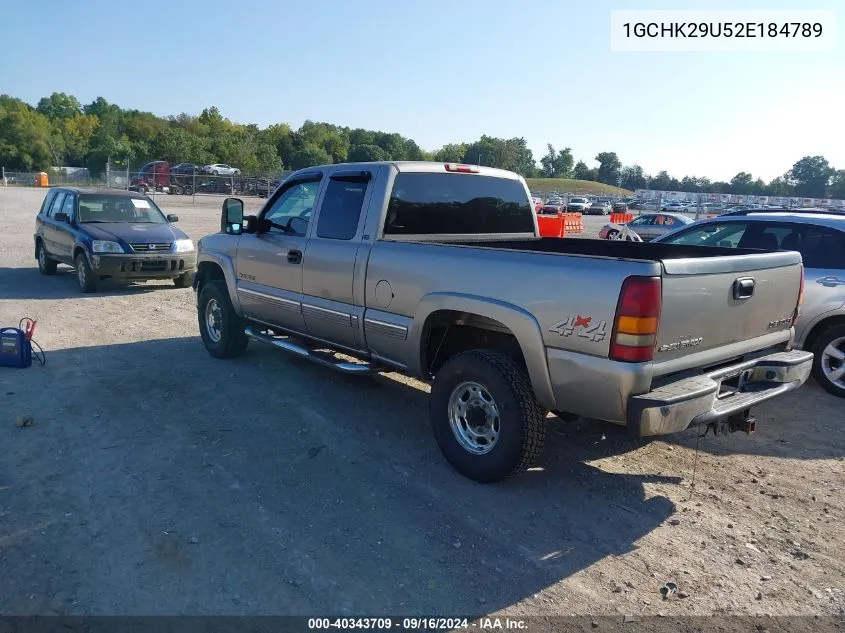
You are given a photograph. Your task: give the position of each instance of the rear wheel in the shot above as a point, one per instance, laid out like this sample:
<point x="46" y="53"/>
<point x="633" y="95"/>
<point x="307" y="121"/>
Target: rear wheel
<point x="46" y="266"/>
<point x="85" y="277"/>
<point x="613" y="234"/>
<point x="829" y="361"/>
<point x="485" y="417"/>
<point x="221" y="329"/>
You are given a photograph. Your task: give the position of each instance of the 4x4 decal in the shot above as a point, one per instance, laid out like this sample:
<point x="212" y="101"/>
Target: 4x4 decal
<point x="595" y="332"/>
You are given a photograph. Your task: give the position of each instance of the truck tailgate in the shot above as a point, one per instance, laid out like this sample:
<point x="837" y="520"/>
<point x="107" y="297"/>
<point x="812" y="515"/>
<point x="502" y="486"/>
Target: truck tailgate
<point x="710" y="303"/>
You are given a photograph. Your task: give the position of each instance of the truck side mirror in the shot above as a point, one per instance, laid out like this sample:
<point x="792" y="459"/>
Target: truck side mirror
<point x="172" y="218"/>
<point x="250" y="224"/>
<point x="232" y="217"/>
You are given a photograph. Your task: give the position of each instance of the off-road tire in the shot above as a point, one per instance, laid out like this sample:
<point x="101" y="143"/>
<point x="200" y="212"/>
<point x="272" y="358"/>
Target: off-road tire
<point x="522" y="424"/>
<point x="46" y="265"/>
<point x="233" y="342"/>
<point x="86" y="279"/>
<point x="185" y="280"/>
<point x="823" y="340"/>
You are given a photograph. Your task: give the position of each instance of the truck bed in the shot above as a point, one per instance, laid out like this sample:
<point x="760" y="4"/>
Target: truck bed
<point x="610" y="248"/>
<point x="703" y="319"/>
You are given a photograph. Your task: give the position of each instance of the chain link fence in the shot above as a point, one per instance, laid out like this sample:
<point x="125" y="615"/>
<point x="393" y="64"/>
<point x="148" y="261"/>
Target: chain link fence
<point x="155" y="178"/>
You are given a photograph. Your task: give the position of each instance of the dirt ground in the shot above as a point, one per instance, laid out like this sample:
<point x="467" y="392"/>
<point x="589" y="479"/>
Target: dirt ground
<point x="157" y="480"/>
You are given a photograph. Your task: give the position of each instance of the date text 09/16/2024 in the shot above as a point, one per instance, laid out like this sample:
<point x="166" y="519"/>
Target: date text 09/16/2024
<point x="417" y="624"/>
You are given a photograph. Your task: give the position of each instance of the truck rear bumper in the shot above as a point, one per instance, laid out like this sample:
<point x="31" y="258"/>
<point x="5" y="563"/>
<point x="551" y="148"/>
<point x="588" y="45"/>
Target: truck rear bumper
<point x="715" y="396"/>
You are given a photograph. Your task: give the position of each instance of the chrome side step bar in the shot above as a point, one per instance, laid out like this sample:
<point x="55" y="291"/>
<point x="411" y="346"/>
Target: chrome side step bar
<point x="326" y="359"/>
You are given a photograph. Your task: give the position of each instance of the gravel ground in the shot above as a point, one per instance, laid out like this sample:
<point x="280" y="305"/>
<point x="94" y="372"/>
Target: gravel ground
<point x="157" y="480"/>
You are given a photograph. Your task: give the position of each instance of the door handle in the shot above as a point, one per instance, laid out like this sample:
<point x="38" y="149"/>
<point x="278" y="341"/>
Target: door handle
<point x="830" y="281"/>
<point x="294" y="257"/>
<point x="744" y="288"/>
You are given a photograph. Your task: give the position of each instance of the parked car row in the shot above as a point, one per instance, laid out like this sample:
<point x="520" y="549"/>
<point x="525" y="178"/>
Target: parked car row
<point x="188" y="178"/>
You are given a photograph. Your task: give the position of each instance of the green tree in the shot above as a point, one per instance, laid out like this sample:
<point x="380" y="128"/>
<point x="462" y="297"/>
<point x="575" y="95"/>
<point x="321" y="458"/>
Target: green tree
<point x="609" y="168"/>
<point x="332" y="139"/>
<point x="512" y="154"/>
<point x="810" y="176"/>
<point x="664" y="182"/>
<point x="741" y="184"/>
<point x="24" y="137"/>
<point x="837" y="185"/>
<point x="557" y="164"/>
<point x="367" y="154"/>
<point x="59" y="106"/>
<point x="779" y="187"/>
<point x="77" y="132"/>
<point x="581" y="171"/>
<point x="633" y="177"/>
<point x="413" y="151"/>
<point x="309" y="155"/>
<point x="451" y="153"/>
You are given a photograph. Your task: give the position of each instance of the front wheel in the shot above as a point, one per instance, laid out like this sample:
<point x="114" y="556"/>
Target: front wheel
<point x="221" y="329"/>
<point x="185" y="280"/>
<point x="485" y="417"/>
<point x="613" y="234"/>
<point x="85" y="277"/>
<point x="46" y="266"/>
<point x="829" y="361"/>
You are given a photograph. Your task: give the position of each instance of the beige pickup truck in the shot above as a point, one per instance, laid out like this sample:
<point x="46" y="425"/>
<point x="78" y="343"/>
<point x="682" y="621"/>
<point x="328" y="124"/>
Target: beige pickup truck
<point x="436" y="270"/>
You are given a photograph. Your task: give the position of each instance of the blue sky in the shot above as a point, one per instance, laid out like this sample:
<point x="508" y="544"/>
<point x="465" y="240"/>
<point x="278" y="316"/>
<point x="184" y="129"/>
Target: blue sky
<point x="442" y="71"/>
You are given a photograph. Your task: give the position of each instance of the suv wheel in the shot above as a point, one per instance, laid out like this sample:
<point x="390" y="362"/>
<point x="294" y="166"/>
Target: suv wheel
<point x="85" y="277"/>
<point x="221" y="329"/>
<point x="46" y="266"/>
<point x="829" y="361"/>
<point x="485" y="416"/>
<point x="185" y="280"/>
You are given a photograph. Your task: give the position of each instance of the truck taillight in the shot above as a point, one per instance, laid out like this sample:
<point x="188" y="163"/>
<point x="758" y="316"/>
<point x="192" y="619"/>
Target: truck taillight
<point x="800" y="298"/>
<point x="461" y="169"/>
<point x="636" y="321"/>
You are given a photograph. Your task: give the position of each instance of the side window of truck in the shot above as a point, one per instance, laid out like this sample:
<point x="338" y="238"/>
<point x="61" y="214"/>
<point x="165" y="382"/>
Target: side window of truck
<point x="341" y="208"/>
<point x="293" y="208"/>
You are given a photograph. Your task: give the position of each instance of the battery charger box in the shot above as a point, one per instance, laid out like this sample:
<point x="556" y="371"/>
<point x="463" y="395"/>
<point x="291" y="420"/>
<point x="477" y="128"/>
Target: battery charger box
<point x="15" y="348"/>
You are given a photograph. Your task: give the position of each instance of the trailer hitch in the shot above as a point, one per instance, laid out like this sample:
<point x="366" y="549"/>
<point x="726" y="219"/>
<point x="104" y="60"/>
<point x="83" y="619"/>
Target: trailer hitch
<point x="742" y="421"/>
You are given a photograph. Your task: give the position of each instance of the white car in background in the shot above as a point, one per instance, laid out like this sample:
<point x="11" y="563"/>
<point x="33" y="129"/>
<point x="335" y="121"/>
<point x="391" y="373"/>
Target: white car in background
<point x="578" y="205"/>
<point x="221" y="169"/>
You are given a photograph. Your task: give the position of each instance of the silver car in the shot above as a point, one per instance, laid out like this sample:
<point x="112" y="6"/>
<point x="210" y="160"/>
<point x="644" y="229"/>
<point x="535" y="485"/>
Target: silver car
<point x="648" y="226"/>
<point x="820" y="238"/>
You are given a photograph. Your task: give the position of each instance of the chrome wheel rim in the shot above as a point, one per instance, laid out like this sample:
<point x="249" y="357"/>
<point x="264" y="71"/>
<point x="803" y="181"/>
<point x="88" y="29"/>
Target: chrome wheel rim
<point x="213" y="320"/>
<point x="615" y="235"/>
<point x="42" y="258"/>
<point x="833" y="362"/>
<point x="474" y="418"/>
<point x="80" y="272"/>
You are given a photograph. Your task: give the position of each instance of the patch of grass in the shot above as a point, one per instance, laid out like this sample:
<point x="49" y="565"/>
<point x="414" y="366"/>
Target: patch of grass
<point x="582" y="187"/>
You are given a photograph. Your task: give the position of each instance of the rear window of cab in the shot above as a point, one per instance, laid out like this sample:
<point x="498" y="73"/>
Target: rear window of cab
<point x="457" y="204"/>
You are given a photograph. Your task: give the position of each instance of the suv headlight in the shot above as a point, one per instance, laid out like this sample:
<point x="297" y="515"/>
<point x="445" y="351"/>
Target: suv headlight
<point x="183" y="246"/>
<point x="105" y="246"/>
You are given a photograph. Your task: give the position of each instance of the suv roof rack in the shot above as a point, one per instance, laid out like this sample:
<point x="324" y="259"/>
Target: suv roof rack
<point x="785" y="210"/>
